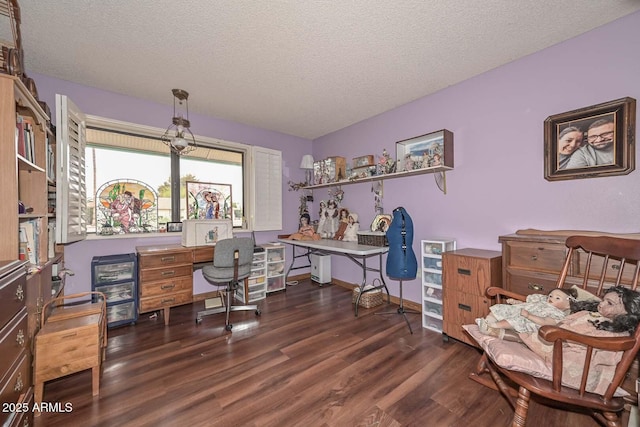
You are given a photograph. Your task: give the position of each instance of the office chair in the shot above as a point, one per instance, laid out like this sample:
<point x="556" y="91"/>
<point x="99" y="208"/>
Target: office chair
<point x="232" y="259"/>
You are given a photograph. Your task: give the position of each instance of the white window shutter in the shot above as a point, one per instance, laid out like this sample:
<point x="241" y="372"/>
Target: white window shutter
<point x="267" y="189"/>
<point x="71" y="190"/>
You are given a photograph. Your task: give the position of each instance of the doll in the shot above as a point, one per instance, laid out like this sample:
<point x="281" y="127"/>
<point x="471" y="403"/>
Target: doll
<point x="619" y="310"/>
<point x="331" y="214"/>
<point x="306" y="231"/>
<point x="351" y="233"/>
<point x="322" y="222"/>
<point x="527" y="316"/>
<point x="344" y="222"/>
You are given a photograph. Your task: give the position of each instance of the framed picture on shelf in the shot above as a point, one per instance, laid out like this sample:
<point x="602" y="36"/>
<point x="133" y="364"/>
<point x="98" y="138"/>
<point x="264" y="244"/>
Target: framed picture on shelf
<point x="174" y="227"/>
<point x="425" y="151"/>
<point x="206" y="200"/>
<point x="591" y="142"/>
<point x="381" y="222"/>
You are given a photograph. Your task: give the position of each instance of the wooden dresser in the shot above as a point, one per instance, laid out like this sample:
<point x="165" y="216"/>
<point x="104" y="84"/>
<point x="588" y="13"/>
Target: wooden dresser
<point x="165" y="277"/>
<point x="532" y="261"/>
<point x="466" y="274"/>
<point x="15" y="356"/>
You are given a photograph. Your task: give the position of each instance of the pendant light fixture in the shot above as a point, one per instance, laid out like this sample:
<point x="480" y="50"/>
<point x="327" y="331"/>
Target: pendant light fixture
<point x="178" y="136"/>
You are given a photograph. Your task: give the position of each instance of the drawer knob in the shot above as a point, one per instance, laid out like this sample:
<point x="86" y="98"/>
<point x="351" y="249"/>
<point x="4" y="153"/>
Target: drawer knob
<point x="168" y="258"/>
<point x="19" y="384"/>
<point x="20" y="293"/>
<point x="169" y="273"/>
<point x="616" y="266"/>
<point x="168" y="301"/>
<point x="534" y="257"/>
<point x="20" y="337"/>
<point x="165" y="287"/>
<point x="535" y="287"/>
<point x="464" y="271"/>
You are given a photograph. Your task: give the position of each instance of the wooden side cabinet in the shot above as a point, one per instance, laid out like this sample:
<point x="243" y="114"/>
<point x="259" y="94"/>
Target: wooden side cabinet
<point x="466" y="274"/>
<point x="165" y="277"/>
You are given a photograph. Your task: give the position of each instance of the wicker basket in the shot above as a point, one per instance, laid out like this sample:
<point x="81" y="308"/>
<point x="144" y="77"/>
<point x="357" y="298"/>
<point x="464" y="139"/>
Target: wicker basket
<point x="368" y="299"/>
<point x="372" y="238"/>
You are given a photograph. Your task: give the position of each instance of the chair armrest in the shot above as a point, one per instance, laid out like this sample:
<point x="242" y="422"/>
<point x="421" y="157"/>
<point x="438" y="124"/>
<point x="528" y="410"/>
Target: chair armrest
<point x="502" y="294"/>
<point x="66" y="299"/>
<point x="559" y="336"/>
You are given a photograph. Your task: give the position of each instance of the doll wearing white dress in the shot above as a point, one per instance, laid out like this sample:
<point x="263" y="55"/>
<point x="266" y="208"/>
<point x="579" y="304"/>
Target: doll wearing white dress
<point x="351" y="232"/>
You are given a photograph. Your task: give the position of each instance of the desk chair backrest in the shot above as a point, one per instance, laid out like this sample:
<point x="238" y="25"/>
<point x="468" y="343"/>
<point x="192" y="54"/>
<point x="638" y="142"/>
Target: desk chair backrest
<point x="225" y="268"/>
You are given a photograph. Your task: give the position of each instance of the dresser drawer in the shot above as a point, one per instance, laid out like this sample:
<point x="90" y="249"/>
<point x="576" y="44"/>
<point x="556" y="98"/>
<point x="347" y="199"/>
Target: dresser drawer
<point x="169" y="300"/>
<point x="13" y="340"/>
<point x="164" y="273"/>
<point x="16" y="382"/>
<point x="165" y="287"/>
<point x="471" y="270"/>
<point x="611" y="274"/>
<point x="526" y="283"/>
<point x="13" y="289"/>
<point x="24" y="416"/>
<point x="536" y="256"/>
<point x="67" y="346"/>
<point x="463" y="309"/>
<point x="166" y="259"/>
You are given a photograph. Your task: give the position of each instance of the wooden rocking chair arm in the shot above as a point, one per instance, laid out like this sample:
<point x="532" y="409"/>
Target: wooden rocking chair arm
<point x="501" y="293"/>
<point x="551" y="333"/>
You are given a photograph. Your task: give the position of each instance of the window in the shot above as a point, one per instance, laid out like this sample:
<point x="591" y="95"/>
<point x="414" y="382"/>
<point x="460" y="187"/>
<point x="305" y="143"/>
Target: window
<point x="128" y="174"/>
<point x="137" y="169"/>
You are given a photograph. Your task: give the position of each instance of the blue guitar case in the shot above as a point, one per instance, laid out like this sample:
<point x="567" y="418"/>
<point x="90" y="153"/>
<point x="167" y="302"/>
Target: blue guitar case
<point x="401" y="260"/>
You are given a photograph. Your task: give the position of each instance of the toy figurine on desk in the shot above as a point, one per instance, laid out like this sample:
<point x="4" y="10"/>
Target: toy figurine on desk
<point x="401" y="259"/>
<point x="306" y="231"/>
<point x="344" y="222"/>
<point x="351" y="233"/>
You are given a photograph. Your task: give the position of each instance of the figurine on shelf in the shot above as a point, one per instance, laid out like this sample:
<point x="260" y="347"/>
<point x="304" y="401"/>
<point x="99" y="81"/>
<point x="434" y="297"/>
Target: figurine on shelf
<point x="344" y="222"/>
<point x="386" y="163"/>
<point x="351" y="232"/>
<point x="306" y="231"/>
<point x="408" y="162"/>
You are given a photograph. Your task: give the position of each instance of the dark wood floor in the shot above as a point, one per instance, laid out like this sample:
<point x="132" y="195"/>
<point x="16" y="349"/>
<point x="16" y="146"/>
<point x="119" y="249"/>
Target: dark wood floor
<point x="307" y="361"/>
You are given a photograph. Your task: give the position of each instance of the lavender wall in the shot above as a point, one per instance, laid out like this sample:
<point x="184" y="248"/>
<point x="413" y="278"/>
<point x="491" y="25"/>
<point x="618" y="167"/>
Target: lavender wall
<point x="497" y="186"/>
<point x="114" y="106"/>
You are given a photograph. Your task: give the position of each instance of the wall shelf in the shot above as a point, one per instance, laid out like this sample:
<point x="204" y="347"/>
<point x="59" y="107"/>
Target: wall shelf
<point x="432" y="170"/>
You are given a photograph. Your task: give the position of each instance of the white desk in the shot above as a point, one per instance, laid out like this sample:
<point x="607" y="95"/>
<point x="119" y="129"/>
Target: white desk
<point x="352" y="250"/>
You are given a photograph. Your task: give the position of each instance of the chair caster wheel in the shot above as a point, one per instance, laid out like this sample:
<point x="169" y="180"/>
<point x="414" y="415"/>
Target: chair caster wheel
<point x="258" y="312"/>
<point x="198" y="321"/>
<point x="228" y="327"/>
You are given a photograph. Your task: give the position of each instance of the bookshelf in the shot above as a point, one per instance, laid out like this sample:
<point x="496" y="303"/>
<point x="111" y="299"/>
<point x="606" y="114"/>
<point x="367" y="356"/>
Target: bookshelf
<point x="24" y="191"/>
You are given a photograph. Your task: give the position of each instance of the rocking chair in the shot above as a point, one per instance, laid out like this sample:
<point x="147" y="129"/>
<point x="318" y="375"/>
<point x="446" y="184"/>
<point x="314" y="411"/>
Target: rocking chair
<point x="593" y="264"/>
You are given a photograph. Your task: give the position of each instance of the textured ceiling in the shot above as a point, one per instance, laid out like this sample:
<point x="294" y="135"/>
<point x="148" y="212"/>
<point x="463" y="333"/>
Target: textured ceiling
<point x="301" y="67"/>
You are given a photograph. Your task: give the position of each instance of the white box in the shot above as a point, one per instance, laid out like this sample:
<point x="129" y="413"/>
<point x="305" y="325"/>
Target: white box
<point x="205" y="232"/>
<point x="320" y="268"/>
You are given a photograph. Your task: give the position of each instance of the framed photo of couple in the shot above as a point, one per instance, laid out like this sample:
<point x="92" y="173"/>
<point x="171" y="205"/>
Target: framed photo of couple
<point x="591" y="142"/>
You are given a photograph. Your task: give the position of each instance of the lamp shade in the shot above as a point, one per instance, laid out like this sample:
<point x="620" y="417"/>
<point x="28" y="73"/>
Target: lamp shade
<point x="307" y="162"/>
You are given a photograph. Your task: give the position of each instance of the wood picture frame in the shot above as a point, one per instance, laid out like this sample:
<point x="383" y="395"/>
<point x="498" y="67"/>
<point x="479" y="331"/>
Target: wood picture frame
<point x="174" y="227"/>
<point x="206" y="200"/>
<point x="591" y="142"/>
<point x="432" y="150"/>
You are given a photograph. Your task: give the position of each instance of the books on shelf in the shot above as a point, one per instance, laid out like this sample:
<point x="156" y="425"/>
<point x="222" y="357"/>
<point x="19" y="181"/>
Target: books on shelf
<point x="25" y="138"/>
<point x="28" y="233"/>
